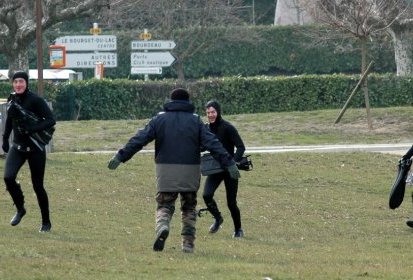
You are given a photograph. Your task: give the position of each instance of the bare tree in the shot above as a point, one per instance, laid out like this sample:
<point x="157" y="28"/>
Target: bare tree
<point x="18" y="24"/>
<point x="183" y="21"/>
<point x="399" y="19"/>
<point x="359" y="19"/>
<point x="363" y="19"/>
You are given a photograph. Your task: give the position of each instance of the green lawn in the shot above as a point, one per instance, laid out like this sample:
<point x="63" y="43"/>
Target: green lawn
<point x="390" y="125"/>
<point x="305" y="215"/>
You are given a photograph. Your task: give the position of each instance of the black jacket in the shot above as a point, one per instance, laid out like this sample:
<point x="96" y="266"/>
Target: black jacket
<point x="21" y="131"/>
<point x="229" y="137"/>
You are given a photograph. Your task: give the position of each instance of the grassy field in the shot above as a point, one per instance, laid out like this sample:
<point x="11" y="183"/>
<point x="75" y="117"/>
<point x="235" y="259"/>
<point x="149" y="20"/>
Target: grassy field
<point x="305" y="215"/>
<point x="390" y="125"/>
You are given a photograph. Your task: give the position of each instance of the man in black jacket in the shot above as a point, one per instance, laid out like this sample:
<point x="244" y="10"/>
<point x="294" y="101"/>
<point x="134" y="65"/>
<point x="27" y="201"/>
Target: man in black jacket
<point x="179" y="135"/>
<point x="24" y="148"/>
<point x="230" y="139"/>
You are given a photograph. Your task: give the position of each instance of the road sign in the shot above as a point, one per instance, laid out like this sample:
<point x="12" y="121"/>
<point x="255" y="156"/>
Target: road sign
<point x="89" y="60"/>
<point x="145" y="36"/>
<point x="151" y="59"/>
<point x="88" y="42"/>
<point x="152" y="45"/>
<point x="146" y="70"/>
<point x="95" y="31"/>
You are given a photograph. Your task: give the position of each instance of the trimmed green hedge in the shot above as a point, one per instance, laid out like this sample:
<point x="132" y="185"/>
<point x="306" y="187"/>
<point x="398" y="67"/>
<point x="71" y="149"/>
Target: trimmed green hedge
<point x="126" y="99"/>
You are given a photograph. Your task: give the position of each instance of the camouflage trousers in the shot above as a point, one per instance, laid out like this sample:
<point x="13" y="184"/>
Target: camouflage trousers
<point x="166" y="208"/>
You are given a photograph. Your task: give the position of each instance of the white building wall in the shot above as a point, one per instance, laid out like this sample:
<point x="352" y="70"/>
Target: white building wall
<point x="288" y="12"/>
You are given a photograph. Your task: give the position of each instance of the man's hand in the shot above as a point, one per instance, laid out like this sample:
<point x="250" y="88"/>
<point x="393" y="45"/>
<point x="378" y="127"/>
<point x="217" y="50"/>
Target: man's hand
<point x="113" y="163"/>
<point x="233" y="171"/>
<point x="6" y="145"/>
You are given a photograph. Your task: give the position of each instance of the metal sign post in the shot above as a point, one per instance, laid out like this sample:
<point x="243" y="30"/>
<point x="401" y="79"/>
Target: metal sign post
<point x="145" y="61"/>
<point x="90" y="51"/>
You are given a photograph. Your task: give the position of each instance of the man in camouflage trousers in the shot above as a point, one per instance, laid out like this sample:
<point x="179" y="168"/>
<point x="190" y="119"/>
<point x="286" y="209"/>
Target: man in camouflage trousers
<point x="164" y="213"/>
<point x="179" y="136"/>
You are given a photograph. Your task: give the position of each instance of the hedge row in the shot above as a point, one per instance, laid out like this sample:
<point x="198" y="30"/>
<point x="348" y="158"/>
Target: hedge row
<point x="287" y="50"/>
<point x="270" y="50"/>
<point x="125" y="99"/>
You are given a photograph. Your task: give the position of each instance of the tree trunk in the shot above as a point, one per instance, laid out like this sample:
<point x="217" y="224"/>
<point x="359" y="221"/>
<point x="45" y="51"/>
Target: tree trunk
<point x="365" y="83"/>
<point x="18" y="60"/>
<point x="403" y="48"/>
<point x="179" y="70"/>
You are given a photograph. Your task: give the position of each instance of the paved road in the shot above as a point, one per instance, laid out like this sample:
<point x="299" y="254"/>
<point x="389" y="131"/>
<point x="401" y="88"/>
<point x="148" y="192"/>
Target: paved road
<point x="398" y="149"/>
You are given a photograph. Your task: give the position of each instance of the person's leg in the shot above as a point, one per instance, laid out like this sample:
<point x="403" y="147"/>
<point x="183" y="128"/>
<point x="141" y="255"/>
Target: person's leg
<point x="164" y="211"/>
<point x="211" y="184"/>
<point x="14" y="162"/>
<point x="37" y="164"/>
<point x="231" y="188"/>
<point x="409" y="222"/>
<point x="188" y="212"/>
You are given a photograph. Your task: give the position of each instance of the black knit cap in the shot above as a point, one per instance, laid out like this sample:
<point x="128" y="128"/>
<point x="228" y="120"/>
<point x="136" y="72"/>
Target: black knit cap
<point x="21" y="74"/>
<point x="179" y="94"/>
<point x="215" y="105"/>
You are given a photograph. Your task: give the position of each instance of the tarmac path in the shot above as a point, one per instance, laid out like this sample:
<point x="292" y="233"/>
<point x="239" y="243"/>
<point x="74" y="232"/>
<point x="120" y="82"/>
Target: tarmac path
<point x="397" y="149"/>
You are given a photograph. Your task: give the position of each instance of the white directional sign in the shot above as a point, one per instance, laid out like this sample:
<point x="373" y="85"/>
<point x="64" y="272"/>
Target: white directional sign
<point x="151" y="59"/>
<point x="88" y="60"/>
<point x="146" y="70"/>
<point x="88" y="42"/>
<point x="152" y="45"/>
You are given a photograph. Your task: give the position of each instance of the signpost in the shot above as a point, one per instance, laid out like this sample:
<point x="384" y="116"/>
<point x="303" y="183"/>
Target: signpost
<point x="146" y="70"/>
<point x="90" y="51"/>
<point x="88" y="42"/>
<point x="152" y="45"/>
<point x="148" y="62"/>
<point x="151" y="59"/>
<point x="89" y="60"/>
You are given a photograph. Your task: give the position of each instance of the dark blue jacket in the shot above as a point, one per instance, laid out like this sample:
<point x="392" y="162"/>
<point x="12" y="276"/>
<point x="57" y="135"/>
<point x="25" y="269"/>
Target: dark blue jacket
<point x="179" y="135"/>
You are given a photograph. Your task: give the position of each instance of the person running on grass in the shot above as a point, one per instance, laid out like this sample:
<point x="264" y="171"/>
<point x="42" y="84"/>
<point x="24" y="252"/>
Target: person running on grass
<point x="229" y="137"/>
<point x="179" y="135"/>
<point x="24" y="148"/>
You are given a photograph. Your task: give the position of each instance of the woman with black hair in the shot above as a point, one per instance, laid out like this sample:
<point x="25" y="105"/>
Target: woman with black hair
<point x="230" y="139"/>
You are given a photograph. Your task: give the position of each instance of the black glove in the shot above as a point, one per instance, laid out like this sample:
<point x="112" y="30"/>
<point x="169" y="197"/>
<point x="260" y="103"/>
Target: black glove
<point x="6" y="145"/>
<point x="233" y="171"/>
<point x="114" y="163"/>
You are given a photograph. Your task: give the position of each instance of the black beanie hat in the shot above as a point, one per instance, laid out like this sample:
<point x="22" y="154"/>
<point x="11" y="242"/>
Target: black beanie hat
<point x="179" y="94"/>
<point x="21" y="74"/>
<point x="215" y="104"/>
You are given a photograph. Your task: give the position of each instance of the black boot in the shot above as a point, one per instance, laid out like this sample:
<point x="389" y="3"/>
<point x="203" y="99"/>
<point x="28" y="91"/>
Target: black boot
<point x="45" y="227"/>
<point x="18" y="217"/>
<point x="216" y="225"/>
<point x="46" y="224"/>
<point x="409" y="222"/>
<point x="213" y="209"/>
<point x="16" y="194"/>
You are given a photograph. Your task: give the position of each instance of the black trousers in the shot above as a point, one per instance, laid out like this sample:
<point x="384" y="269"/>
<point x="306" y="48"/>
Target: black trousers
<point x="37" y="163"/>
<point x="231" y="187"/>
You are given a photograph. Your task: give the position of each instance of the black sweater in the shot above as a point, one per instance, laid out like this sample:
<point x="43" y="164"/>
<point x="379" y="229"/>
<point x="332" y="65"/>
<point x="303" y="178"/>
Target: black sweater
<point x="21" y="131"/>
<point x="229" y="137"/>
